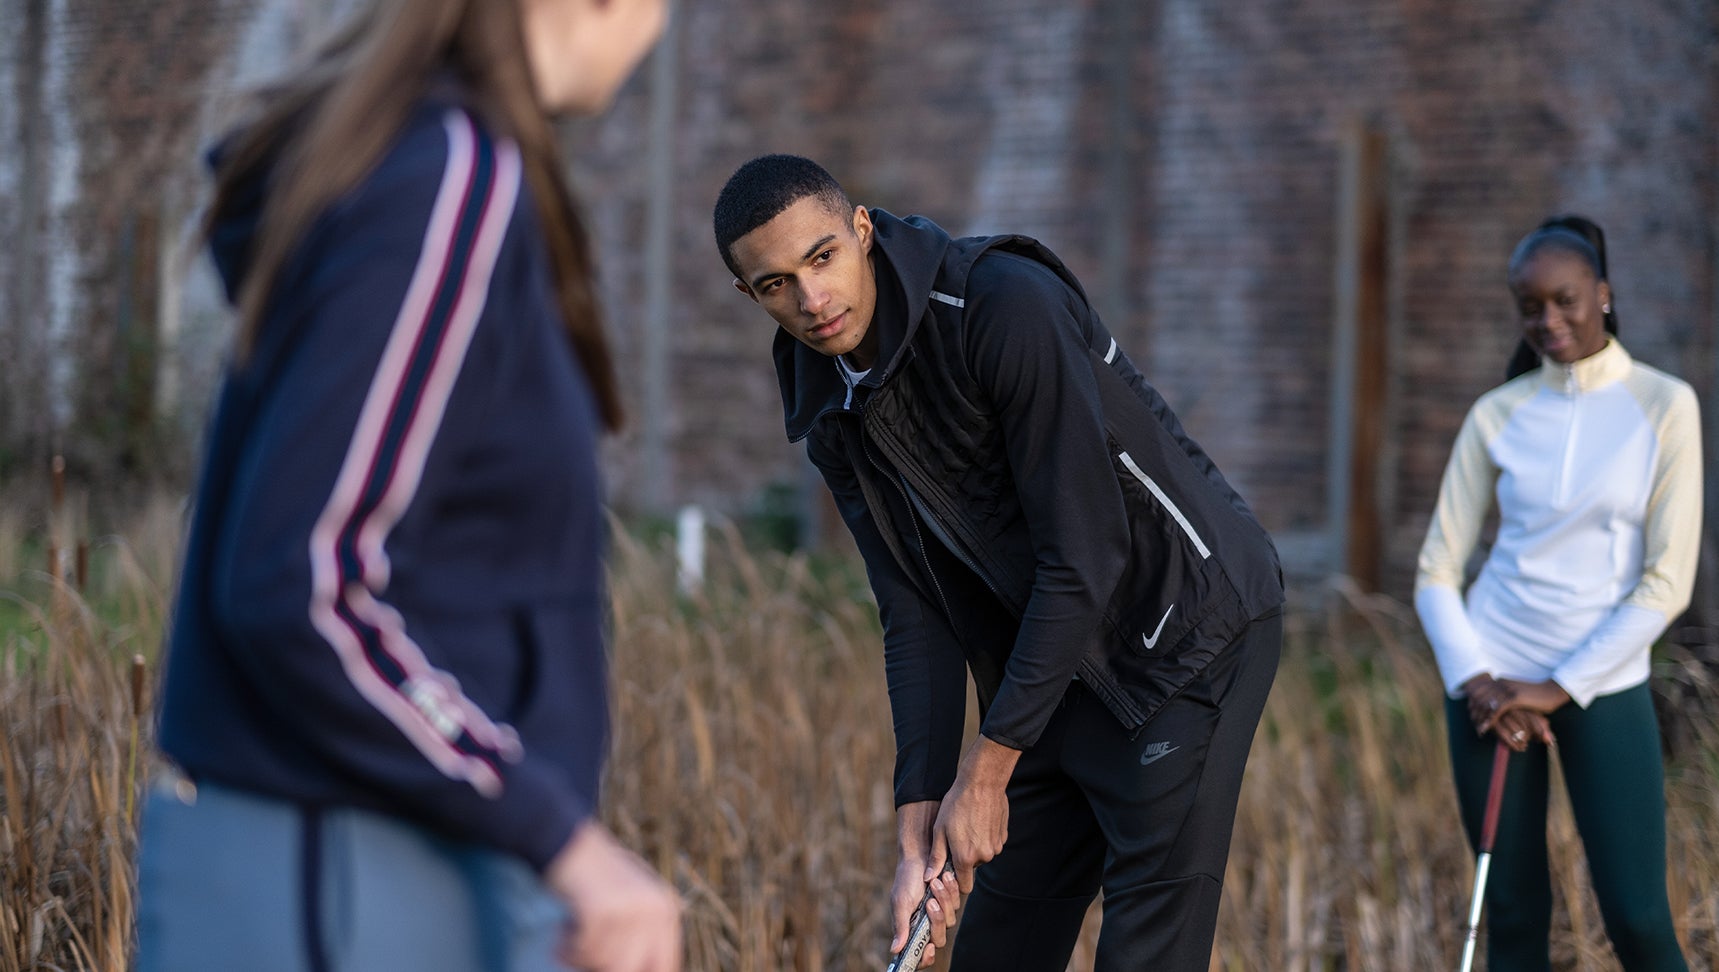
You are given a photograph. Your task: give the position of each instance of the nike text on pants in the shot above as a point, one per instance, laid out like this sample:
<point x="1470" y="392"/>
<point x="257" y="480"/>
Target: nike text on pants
<point x="1146" y="819"/>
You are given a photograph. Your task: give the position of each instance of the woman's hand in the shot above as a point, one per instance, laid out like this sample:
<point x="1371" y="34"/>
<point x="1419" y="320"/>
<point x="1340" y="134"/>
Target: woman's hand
<point x="1486" y="697"/>
<point x="1521" y="728"/>
<point x="1540" y="698"/>
<point x="624" y="917"/>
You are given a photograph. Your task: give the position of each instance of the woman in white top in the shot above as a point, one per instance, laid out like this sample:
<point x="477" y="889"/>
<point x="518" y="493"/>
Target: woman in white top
<point x="1593" y="463"/>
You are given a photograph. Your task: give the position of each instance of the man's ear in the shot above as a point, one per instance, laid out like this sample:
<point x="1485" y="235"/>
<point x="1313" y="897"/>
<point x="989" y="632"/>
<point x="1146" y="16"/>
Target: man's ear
<point x="863" y="228"/>
<point x="740" y="285"/>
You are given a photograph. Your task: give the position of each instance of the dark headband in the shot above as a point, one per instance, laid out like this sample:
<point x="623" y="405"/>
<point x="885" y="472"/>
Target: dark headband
<point x="1563" y="236"/>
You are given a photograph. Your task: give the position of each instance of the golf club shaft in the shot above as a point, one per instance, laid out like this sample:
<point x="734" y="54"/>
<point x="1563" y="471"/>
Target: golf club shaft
<point x="1488" y="834"/>
<point x="1494" y="796"/>
<point x="1480" y="871"/>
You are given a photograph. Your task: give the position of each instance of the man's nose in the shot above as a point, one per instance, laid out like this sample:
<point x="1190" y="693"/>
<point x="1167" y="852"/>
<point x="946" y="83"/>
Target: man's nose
<point x="813" y="300"/>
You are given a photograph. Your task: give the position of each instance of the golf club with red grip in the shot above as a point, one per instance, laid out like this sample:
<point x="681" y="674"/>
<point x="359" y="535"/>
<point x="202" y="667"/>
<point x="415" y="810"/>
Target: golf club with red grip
<point x="1488" y="831"/>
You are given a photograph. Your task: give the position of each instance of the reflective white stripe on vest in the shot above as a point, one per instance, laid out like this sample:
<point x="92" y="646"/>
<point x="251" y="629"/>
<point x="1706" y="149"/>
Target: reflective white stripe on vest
<point x="1110" y="356"/>
<point x="945" y="298"/>
<point x="1181" y="520"/>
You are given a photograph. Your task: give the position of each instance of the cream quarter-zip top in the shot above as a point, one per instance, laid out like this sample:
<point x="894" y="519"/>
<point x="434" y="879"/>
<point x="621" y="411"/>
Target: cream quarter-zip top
<point x="1595" y="468"/>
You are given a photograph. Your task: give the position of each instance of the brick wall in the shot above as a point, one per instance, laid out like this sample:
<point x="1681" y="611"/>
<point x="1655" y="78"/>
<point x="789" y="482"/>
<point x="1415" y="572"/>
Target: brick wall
<point x="1182" y="156"/>
<point x="1003" y="116"/>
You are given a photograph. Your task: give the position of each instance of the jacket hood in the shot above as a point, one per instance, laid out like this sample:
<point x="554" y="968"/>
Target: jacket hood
<point x="907" y="253"/>
<point x="234" y="226"/>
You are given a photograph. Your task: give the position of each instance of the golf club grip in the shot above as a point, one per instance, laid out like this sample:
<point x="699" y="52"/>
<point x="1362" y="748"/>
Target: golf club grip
<point x="1494" y="796"/>
<point x="907" y="960"/>
<point x="918" y="931"/>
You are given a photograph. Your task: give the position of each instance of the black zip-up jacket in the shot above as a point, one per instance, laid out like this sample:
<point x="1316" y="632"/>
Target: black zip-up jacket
<point x="1026" y="504"/>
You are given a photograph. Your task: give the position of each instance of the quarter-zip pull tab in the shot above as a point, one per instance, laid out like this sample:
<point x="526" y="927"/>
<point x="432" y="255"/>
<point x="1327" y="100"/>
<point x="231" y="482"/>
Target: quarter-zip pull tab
<point x="1563" y="492"/>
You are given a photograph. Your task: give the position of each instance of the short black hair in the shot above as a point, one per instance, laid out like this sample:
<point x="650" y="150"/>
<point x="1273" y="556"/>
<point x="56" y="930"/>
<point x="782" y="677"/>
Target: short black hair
<point x="758" y="191"/>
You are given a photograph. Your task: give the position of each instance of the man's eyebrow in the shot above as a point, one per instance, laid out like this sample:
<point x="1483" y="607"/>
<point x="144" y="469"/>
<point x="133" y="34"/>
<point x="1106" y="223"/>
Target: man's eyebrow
<point x="815" y="247"/>
<point x="812" y="250"/>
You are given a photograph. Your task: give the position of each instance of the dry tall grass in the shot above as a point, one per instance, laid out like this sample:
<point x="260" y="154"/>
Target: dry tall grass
<point x="73" y="707"/>
<point x="752" y="760"/>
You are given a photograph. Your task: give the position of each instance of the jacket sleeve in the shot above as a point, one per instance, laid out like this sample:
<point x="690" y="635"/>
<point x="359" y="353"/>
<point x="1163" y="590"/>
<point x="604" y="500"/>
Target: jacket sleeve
<point x="923" y="663"/>
<point x="395" y="338"/>
<point x="1671" y="542"/>
<point x="1027" y="350"/>
<point x="1464" y="497"/>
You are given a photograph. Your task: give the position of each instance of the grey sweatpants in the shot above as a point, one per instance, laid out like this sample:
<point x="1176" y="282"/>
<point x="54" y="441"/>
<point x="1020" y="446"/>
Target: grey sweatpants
<point x="229" y="880"/>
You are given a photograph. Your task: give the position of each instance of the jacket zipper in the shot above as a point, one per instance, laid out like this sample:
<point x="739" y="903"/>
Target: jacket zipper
<point x="924" y="510"/>
<point x="917" y="509"/>
<point x="1164" y="498"/>
<point x="919" y="537"/>
<point x="1563" y="492"/>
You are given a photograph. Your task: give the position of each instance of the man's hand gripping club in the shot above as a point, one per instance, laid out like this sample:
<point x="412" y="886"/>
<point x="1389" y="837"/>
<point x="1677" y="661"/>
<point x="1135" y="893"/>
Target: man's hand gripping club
<point x="965" y="829"/>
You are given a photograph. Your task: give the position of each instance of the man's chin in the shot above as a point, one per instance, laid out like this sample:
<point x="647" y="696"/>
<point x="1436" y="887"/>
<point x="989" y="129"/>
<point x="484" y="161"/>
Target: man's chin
<point x="824" y="348"/>
<point x="831" y="347"/>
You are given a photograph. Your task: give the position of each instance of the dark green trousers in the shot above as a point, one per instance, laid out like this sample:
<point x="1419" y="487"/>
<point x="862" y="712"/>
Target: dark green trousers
<point x="1616" y="780"/>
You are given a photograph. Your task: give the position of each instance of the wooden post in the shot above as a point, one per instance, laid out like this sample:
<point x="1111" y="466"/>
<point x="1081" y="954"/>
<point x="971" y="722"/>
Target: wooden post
<point x="138" y="343"/>
<point x="25" y="391"/>
<point x="58" y="522"/>
<point x="1360" y="358"/>
<point x="659" y="257"/>
<point x="58" y="490"/>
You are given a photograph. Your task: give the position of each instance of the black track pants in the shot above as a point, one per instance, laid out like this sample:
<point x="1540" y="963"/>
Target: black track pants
<point x="1146" y="819"/>
<point x="1612" y="769"/>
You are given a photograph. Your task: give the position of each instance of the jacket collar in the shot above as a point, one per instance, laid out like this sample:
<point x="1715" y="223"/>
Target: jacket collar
<point x="1610" y="363"/>
<point x="907" y="254"/>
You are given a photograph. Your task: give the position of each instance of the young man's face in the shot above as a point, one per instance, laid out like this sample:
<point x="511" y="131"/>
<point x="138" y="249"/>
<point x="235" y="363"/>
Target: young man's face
<point x="810" y="269"/>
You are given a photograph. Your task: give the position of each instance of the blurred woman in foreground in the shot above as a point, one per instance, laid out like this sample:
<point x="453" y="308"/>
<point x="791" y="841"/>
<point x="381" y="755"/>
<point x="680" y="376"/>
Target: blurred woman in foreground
<point x="1594" y="462"/>
<point x="386" y="688"/>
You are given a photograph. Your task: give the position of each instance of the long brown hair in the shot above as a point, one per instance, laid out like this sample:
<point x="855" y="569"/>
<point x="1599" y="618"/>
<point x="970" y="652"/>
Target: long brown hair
<point x="322" y="131"/>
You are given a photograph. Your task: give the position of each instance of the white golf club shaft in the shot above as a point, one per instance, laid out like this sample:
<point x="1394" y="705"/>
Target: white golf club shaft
<point x="1480" y="868"/>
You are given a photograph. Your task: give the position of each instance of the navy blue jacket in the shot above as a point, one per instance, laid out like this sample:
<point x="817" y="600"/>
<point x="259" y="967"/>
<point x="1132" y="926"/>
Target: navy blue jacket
<point x="392" y="591"/>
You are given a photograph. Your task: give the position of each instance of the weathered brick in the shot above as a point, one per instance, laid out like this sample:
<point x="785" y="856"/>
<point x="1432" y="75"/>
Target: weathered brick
<point x="1213" y="164"/>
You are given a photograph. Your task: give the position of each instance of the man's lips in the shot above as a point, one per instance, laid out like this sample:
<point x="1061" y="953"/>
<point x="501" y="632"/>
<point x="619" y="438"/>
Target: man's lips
<point x="829" y="327"/>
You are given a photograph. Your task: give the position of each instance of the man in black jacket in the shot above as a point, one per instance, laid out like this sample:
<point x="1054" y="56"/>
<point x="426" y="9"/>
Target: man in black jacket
<point x="1029" y="510"/>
